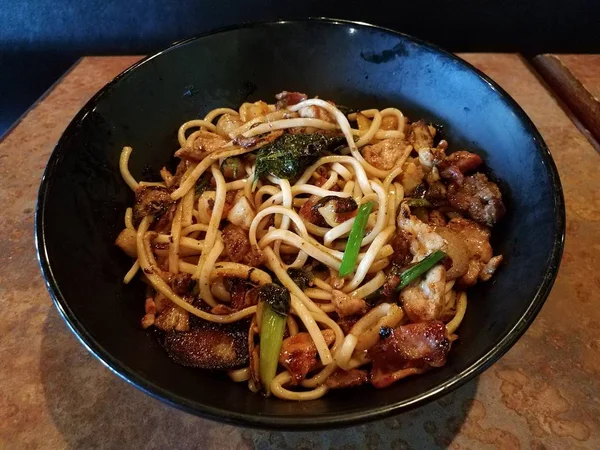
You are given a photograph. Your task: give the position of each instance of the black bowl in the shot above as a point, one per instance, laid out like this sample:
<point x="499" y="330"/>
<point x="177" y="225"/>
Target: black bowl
<point x="82" y="199"/>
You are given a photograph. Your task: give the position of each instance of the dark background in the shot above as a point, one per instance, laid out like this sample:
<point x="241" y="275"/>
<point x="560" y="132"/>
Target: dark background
<point x="41" y="39"/>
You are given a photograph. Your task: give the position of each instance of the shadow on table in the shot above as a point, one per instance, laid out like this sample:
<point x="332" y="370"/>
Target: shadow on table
<point x="93" y="408"/>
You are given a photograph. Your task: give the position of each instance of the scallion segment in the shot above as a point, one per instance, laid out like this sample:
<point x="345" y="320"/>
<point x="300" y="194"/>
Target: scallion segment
<point x="357" y="233"/>
<point x="413" y="272"/>
<point x="276" y="306"/>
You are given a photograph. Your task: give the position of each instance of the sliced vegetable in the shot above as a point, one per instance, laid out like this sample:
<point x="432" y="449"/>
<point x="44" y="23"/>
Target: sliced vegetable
<point x="287" y="156"/>
<point x="355" y="239"/>
<point x="417" y="203"/>
<point x="411" y="273"/>
<point x="276" y="306"/>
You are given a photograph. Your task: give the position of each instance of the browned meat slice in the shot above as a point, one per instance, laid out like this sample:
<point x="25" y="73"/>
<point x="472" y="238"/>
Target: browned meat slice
<point x="315" y="112"/>
<point x="151" y="200"/>
<point x="345" y="379"/>
<point x="408" y="350"/>
<point x="285" y="99"/>
<point x="436" y="193"/>
<point x="384" y="154"/>
<point x="299" y="354"/>
<point x="346" y="323"/>
<point x="420" y="135"/>
<point x="243" y="294"/>
<point x="182" y="283"/>
<point x="172" y="317"/>
<point x="465" y="162"/>
<point x="400" y="242"/>
<point x="308" y="213"/>
<point x="256" y="142"/>
<point x="475" y="236"/>
<point x="205" y="143"/>
<point x="436" y="218"/>
<point x="210" y="346"/>
<point x="479" y="198"/>
<point x="345" y="305"/>
<point x="238" y="247"/>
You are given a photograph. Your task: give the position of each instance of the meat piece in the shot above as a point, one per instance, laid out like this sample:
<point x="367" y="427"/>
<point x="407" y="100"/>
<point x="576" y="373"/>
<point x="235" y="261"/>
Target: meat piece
<point x="249" y="111"/>
<point x="490" y="268"/>
<point x="464" y="161"/>
<point x="182" y="283"/>
<point x="456" y="250"/>
<point x="285" y="99"/>
<point x="408" y="350"/>
<point x="228" y="123"/>
<point x="412" y="176"/>
<point x="172" y="317"/>
<point x="299" y="354"/>
<point x="256" y="142"/>
<point x="221" y="310"/>
<point x="400" y="242"/>
<point x="345" y="379"/>
<point x="347" y="322"/>
<point x="476" y="238"/>
<point x="206" y="204"/>
<point x="238" y="248"/>
<point x="236" y="242"/>
<point x="210" y="346"/>
<point x="423" y="238"/>
<point x="335" y="210"/>
<point x="384" y="154"/>
<point x="127" y="241"/>
<point x="436" y="193"/>
<point x="243" y="294"/>
<point x="164" y="222"/>
<point x="309" y="214"/>
<point x="423" y="300"/>
<point x="420" y="135"/>
<point x="479" y="198"/>
<point x="206" y="142"/>
<point x="151" y="200"/>
<point x="345" y="305"/>
<point x="436" y="219"/>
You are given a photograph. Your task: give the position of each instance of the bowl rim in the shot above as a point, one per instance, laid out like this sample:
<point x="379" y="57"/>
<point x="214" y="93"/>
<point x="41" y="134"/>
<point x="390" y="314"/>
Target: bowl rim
<point x="299" y="422"/>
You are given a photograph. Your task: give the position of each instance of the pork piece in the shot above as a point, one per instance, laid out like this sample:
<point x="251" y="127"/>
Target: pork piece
<point x="249" y="111"/>
<point x="412" y="177"/>
<point x="423" y="300"/>
<point x="420" y="135"/>
<point x="436" y="193"/>
<point x="400" y="242"/>
<point x="209" y="346"/>
<point x="423" y="238"/>
<point x="256" y="142"/>
<point x="335" y="210"/>
<point x="308" y="213"/>
<point x="315" y="112"/>
<point x="151" y="200"/>
<point x="238" y="248"/>
<point x="384" y="154"/>
<point x="345" y="305"/>
<point x="436" y="218"/>
<point x="479" y="198"/>
<point x="346" y="323"/>
<point x="299" y="354"/>
<point x="408" y="350"/>
<point x="172" y="317"/>
<point x="285" y="99"/>
<point x="243" y="294"/>
<point x="182" y="283"/>
<point x="345" y="379"/>
<point x="206" y="142"/>
<point x="464" y="161"/>
<point x="206" y="204"/>
<point x="469" y="247"/>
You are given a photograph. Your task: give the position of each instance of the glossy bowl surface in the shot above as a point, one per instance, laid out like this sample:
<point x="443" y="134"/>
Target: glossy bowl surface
<point x="82" y="199"/>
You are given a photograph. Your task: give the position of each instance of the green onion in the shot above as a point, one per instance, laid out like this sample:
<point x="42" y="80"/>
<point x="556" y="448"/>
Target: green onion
<point x="231" y="167"/>
<point x="355" y="239"/>
<point x="413" y="272"/>
<point x="276" y="306"/>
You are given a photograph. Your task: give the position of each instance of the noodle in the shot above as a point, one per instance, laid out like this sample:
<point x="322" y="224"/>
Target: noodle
<point x="201" y="237"/>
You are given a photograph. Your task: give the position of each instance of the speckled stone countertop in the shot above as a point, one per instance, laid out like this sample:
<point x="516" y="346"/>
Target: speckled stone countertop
<point x="544" y="394"/>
